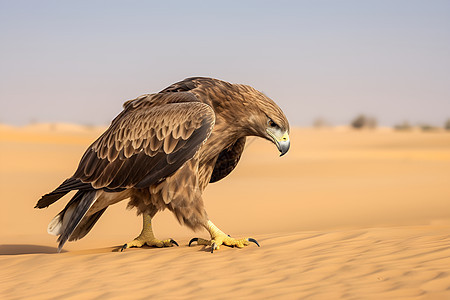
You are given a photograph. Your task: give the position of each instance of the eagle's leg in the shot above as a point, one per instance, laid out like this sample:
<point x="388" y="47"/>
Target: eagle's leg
<point x="147" y="237"/>
<point x="218" y="238"/>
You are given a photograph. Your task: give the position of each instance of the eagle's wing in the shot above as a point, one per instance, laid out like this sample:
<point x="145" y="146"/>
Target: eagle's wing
<point x="146" y="143"/>
<point x="227" y="160"/>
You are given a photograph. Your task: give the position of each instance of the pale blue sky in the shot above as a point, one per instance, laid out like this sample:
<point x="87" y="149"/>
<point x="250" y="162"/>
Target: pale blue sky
<point x="78" y="61"/>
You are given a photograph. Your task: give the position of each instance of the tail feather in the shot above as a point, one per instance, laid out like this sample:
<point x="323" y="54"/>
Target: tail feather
<point x="55" y="226"/>
<point x="73" y="214"/>
<point x="86" y="225"/>
<point x="65" y="187"/>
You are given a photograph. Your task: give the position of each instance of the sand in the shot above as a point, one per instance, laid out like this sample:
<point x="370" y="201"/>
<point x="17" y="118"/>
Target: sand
<point x="344" y="215"/>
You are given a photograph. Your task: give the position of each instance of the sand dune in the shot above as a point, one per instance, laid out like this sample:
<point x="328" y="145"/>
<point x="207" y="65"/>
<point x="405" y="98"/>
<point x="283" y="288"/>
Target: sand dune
<point x="345" y="215"/>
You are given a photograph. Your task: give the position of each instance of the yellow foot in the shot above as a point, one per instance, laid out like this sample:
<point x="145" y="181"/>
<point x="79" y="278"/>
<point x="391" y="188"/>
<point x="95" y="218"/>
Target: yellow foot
<point x="139" y="242"/>
<point x="223" y="239"/>
<point x="218" y="238"/>
<point x="147" y="237"/>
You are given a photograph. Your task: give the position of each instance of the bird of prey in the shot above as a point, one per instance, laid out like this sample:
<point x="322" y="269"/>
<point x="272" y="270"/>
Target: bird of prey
<point x="161" y="152"/>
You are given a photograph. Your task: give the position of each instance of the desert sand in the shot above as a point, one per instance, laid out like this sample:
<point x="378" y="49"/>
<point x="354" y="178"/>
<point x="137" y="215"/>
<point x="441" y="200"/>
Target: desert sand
<point x="344" y="215"/>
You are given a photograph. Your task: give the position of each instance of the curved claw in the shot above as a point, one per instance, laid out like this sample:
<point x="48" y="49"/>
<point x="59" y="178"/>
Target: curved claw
<point x="213" y="246"/>
<point x="123" y="247"/>
<point x="174" y="242"/>
<point x="253" y="241"/>
<point x="192" y="240"/>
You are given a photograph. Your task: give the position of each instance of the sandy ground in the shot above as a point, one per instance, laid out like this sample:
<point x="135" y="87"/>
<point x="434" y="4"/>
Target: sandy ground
<point x="344" y="215"/>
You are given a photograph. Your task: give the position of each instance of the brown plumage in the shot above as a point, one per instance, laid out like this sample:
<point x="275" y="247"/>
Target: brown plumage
<point x="163" y="149"/>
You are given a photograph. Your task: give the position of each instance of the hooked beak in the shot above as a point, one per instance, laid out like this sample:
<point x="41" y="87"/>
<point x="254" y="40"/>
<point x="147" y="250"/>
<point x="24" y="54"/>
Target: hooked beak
<point x="283" y="143"/>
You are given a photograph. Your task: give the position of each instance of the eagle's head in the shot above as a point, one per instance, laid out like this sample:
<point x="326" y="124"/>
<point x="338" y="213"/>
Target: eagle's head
<point x="266" y="119"/>
<point x="278" y="134"/>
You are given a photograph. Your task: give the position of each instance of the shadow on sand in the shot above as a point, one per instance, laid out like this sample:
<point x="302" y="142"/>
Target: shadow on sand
<point x="18" y="249"/>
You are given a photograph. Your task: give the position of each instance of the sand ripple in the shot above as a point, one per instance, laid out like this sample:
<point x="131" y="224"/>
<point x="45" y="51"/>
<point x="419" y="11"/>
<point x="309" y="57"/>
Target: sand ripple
<point x="377" y="263"/>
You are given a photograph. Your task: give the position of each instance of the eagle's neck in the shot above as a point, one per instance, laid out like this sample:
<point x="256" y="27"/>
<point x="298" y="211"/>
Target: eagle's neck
<point x="231" y="108"/>
<point x="222" y="136"/>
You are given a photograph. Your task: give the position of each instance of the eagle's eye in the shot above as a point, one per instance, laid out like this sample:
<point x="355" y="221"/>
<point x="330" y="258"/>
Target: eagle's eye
<point x="271" y="123"/>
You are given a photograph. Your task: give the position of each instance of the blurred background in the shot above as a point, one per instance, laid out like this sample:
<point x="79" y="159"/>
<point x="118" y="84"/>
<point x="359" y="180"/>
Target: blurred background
<point x="324" y="62"/>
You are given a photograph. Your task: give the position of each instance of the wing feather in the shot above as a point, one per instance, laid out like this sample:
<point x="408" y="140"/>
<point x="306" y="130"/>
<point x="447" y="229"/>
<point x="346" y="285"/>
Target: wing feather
<point x="147" y="142"/>
<point x="155" y="143"/>
<point x="227" y="160"/>
<point x="176" y="132"/>
<point x="129" y="149"/>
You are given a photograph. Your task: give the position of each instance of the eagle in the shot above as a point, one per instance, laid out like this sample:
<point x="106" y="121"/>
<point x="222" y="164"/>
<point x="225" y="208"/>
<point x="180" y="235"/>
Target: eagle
<point x="161" y="152"/>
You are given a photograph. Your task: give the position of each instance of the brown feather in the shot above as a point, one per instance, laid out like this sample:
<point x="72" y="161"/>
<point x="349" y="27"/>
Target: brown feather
<point x="169" y="144"/>
<point x="228" y="160"/>
<point x="155" y="143"/>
